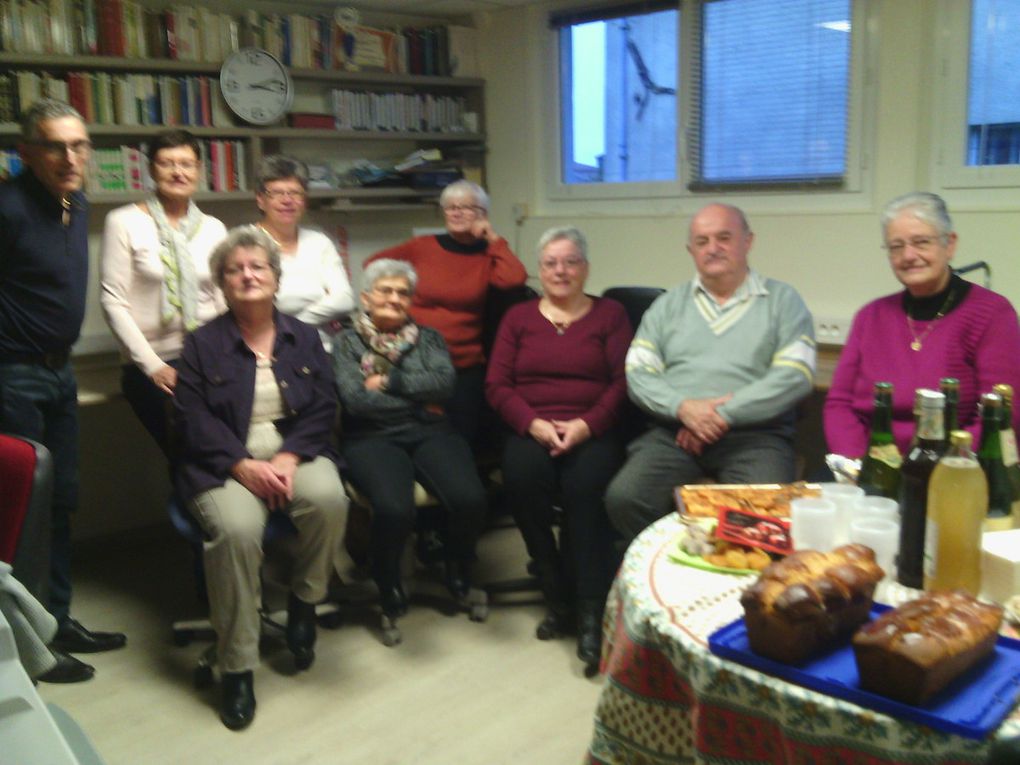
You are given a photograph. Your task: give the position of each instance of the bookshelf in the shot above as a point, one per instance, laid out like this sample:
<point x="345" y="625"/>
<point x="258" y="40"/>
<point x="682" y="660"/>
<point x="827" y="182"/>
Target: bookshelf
<point x="315" y="87"/>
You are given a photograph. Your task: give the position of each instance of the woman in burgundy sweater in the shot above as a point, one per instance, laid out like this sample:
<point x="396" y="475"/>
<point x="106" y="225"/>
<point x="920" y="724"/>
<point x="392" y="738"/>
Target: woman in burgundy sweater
<point x="455" y="271"/>
<point x="556" y="377"/>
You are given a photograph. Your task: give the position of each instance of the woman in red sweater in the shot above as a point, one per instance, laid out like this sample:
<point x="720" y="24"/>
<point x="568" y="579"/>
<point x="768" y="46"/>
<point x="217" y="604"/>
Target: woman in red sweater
<point x="455" y="271"/>
<point x="557" y="379"/>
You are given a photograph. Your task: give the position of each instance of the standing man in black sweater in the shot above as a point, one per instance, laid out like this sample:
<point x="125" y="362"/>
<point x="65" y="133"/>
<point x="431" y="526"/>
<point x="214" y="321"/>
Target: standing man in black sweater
<point x="43" y="280"/>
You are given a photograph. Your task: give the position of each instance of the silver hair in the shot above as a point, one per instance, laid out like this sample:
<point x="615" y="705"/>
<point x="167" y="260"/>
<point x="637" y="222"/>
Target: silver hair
<point x="461" y="189"/>
<point x="279" y="167"/>
<point x="571" y="233"/>
<point x="243" y="236"/>
<point x="388" y="268"/>
<point x="42" y="110"/>
<point x="922" y="205"/>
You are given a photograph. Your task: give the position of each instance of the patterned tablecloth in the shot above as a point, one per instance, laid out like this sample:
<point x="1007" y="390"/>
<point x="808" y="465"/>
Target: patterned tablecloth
<point x="667" y="699"/>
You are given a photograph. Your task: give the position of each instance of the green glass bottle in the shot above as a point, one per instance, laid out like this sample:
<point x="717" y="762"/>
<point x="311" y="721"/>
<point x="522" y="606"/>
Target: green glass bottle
<point x="950" y="388"/>
<point x="880" y="468"/>
<point x="1007" y="440"/>
<point x="1000" y="515"/>
<point x="928" y="447"/>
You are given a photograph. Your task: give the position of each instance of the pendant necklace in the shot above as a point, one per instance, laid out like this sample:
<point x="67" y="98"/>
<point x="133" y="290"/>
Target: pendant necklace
<point x="918" y="340"/>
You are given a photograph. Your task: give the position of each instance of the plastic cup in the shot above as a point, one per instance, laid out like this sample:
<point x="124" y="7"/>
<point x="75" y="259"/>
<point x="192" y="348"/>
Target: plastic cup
<point x="845" y="497"/>
<point x="812" y="523"/>
<point x="878" y="507"/>
<point x="882" y="536"/>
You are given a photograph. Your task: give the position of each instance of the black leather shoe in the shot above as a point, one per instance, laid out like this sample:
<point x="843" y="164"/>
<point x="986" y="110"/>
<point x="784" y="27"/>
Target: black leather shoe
<point x="68" y="670"/>
<point x="589" y="635"/>
<point x="73" y="637"/>
<point x="237" y="705"/>
<point x="301" y="631"/>
<point x="558" y="622"/>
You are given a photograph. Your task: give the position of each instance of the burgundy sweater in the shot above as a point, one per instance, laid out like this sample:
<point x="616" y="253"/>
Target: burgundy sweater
<point x="534" y="372"/>
<point x="977" y="342"/>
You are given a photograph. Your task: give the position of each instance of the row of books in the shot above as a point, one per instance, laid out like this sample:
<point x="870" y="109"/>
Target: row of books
<point x="126" y="28"/>
<point x="410" y="112"/>
<point x="125" y="168"/>
<point x="121" y="99"/>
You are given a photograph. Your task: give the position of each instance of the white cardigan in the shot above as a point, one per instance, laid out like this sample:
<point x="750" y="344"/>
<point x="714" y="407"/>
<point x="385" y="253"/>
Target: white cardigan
<point x="131" y="277"/>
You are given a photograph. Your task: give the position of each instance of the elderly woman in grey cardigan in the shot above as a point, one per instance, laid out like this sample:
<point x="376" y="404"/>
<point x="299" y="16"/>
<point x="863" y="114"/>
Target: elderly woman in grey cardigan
<point x="393" y="377"/>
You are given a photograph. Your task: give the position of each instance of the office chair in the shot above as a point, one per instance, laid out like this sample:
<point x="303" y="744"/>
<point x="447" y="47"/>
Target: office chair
<point x="26" y="490"/>
<point x="278" y="528"/>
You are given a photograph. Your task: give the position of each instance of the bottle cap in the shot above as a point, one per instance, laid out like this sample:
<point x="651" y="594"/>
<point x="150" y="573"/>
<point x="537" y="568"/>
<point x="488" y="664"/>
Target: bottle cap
<point x="960" y="438"/>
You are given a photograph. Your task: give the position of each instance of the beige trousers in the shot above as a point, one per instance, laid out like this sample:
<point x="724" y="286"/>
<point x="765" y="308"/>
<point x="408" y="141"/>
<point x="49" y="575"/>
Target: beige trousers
<point x="234" y="520"/>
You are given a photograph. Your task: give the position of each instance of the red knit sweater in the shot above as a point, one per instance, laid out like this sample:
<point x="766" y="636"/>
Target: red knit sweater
<point x="452" y="282"/>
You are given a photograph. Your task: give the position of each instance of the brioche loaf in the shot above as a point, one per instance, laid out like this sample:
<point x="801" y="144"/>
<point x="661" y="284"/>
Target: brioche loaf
<point x="912" y="652"/>
<point x="806" y="602"/>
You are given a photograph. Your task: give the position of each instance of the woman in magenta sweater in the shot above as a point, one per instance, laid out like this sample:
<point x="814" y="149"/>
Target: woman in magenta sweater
<point x="556" y="377"/>
<point x="939" y="326"/>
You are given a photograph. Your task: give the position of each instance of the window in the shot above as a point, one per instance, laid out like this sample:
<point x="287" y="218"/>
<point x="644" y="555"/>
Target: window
<point x="978" y="138"/>
<point x="764" y="89"/>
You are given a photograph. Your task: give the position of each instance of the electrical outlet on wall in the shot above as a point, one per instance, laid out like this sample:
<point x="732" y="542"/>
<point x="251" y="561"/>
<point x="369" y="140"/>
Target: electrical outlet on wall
<point x="831" y="331"/>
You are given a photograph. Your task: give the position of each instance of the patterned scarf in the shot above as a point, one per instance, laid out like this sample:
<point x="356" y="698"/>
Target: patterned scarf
<point x="180" y="285"/>
<point x="384" y="348"/>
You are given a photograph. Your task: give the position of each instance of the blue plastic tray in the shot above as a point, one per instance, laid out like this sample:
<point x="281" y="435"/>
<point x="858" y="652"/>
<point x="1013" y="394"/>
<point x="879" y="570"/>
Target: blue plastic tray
<point x="971" y="706"/>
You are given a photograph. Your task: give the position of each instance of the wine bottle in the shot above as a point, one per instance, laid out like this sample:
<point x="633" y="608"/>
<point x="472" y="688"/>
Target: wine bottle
<point x="957" y="504"/>
<point x="880" y="468"/>
<point x="914" y="476"/>
<point x="1007" y="440"/>
<point x="950" y="388"/>
<point x="989" y="454"/>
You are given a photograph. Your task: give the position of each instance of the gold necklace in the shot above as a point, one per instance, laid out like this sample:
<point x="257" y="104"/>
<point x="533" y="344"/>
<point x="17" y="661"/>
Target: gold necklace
<point x="917" y="343"/>
<point x="560" y="326"/>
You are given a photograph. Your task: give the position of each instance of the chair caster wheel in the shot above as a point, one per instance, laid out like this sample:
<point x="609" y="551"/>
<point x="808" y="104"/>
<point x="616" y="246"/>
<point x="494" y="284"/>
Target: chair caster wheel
<point x="202" y="677"/>
<point x="390" y="632"/>
<point x="477" y="603"/>
<point x="183" y="638"/>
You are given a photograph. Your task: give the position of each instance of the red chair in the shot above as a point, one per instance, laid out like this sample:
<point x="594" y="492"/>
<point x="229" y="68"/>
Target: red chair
<point x="26" y="491"/>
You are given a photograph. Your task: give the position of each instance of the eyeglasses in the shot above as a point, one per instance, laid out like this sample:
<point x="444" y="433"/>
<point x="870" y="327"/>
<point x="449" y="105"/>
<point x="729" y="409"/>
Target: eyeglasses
<point x="188" y="165"/>
<point x="474" y="209"/>
<point x="401" y="292"/>
<point x="258" y="268"/>
<point x="571" y="264"/>
<point x="284" y="193"/>
<point x="922" y="244"/>
<point x="60" y="148"/>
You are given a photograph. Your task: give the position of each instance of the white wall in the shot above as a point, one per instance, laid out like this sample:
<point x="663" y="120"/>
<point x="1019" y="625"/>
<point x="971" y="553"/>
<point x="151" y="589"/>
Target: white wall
<point x="827" y="244"/>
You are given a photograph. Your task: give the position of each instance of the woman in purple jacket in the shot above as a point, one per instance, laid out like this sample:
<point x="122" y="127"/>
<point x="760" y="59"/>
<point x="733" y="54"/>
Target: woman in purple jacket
<point x="255" y="406"/>
<point x="556" y="377"/>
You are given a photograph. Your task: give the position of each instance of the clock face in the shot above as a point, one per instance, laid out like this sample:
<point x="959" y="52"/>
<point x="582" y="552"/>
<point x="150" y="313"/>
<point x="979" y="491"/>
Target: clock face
<point x="256" y="86"/>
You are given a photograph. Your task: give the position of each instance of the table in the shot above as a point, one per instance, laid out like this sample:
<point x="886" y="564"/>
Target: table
<point x="667" y="699"/>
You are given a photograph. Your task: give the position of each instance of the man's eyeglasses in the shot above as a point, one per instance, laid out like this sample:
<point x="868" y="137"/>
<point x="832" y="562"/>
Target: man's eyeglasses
<point x="401" y="292"/>
<point x="473" y="209"/>
<point x="922" y="244"/>
<point x="258" y="268"/>
<point x="60" y="148"/>
<point x="284" y="193"/>
<point x="188" y="165"/>
<point x="571" y="264"/>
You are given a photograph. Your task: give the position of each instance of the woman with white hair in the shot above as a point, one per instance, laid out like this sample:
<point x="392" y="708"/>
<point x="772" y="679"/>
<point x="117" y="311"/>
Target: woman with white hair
<point x="938" y="326"/>
<point x="394" y="377"/>
<point x="455" y="272"/>
<point x="557" y="379"/>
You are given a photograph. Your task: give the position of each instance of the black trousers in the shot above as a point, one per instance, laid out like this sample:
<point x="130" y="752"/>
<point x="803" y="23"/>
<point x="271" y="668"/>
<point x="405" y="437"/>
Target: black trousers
<point x="385" y="469"/>
<point x="533" y="480"/>
<point x="151" y="406"/>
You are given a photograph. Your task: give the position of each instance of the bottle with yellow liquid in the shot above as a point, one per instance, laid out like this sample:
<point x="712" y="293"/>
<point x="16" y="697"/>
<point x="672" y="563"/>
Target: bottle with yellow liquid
<point x="957" y="504"/>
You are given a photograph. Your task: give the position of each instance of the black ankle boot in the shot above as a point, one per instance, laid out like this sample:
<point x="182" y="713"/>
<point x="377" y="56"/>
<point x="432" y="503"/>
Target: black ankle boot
<point x="457" y="577"/>
<point x="589" y="634"/>
<point x="301" y="631"/>
<point x="558" y="621"/>
<point x="559" y="615"/>
<point x="237" y="704"/>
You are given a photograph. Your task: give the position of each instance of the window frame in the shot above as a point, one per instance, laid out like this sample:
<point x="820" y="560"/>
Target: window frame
<point x="951" y="95"/>
<point x="860" y="140"/>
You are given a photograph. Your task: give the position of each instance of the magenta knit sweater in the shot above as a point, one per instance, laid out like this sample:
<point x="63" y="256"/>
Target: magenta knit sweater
<point x="977" y="342"/>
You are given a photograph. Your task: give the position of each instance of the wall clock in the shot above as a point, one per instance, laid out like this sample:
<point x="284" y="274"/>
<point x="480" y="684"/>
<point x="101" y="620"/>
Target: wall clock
<point x="256" y="86"/>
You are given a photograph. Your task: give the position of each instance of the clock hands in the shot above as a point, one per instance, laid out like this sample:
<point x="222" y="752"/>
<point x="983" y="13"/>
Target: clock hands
<point x="272" y="85"/>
